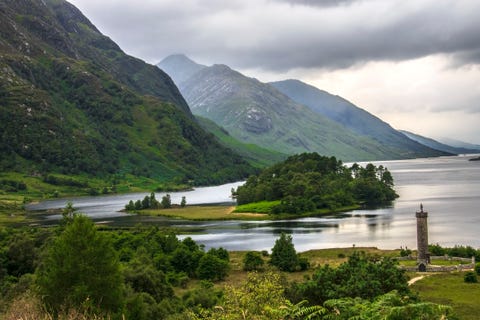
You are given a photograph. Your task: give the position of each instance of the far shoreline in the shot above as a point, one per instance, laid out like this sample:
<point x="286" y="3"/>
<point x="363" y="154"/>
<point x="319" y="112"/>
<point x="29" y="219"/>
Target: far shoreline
<point x="222" y="212"/>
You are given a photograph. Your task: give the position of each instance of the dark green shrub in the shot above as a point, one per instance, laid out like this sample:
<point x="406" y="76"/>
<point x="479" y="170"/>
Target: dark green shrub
<point x="303" y="263"/>
<point x="470" y="277"/>
<point x="211" y="267"/>
<point x="253" y="261"/>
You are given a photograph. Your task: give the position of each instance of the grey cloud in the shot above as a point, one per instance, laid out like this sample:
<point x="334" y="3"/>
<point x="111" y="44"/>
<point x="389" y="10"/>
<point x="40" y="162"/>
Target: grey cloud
<point x="320" y="3"/>
<point x="262" y="34"/>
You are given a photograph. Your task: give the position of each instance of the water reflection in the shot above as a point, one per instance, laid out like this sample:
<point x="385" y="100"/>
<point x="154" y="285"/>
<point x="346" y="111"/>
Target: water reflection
<point x="448" y="187"/>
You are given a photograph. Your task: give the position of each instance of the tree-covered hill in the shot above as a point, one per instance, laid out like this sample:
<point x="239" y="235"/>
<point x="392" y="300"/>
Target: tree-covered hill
<point x="71" y="101"/>
<point x="309" y="182"/>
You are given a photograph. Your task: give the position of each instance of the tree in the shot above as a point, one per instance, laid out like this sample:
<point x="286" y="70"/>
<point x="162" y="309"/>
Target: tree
<point x="130" y="206"/>
<point x="81" y="267"/>
<point x="183" y="203"/>
<point x="284" y="255"/>
<point x="166" y="202"/>
<point x="68" y="212"/>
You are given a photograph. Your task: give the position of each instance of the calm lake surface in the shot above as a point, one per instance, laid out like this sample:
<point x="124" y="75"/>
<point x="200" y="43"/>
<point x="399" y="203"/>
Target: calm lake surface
<point x="448" y="188"/>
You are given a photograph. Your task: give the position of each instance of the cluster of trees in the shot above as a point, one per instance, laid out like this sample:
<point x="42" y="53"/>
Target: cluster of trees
<point x="78" y="266"/>
<point x="12" y="185"/>
<point x="132" y="274"/>
<point x="151" y="202"/>
<point x="361" y="276"/>
<point x="456" y="251"/>
<point x="308" y="182"/>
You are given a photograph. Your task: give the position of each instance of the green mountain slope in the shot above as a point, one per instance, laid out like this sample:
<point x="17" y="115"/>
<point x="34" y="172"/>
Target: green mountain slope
<point x="71" y="101"/>
<point x="354" y="118"/>
<point x="255" y="155"/>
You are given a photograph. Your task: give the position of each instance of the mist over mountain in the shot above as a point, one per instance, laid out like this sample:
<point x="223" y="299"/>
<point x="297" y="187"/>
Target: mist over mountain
<point x="259" y="113"/>
<point x="179" y="67"/>
<point x="460" y="144"/>
<point x="438" y="145"/>
<point x="71" y="101"/>
<point x="346" y="113"/>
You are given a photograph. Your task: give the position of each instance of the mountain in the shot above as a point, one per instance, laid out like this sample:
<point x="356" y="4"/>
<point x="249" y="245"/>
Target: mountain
<point x="461" y="144"/>
<point x="438" y="145"/>
<point x="179" y="67"/>
<point x="354" y="118"/>
<point x="71" y="101"/>
<point x="257" y="156"/>
<point x="257" y="113"/>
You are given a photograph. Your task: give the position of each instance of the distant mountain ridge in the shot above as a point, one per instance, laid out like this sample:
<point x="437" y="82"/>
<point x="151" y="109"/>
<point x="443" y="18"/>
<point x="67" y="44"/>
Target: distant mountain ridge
<point x="71" y="101"/>
<point x="438" y="145"/>
<point x="259" y="113"/>
<point x="460" y="144"/>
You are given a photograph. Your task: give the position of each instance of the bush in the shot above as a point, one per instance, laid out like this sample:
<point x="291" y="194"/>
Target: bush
<point x="405" y="252"/>
<point x="211" y="267"/>
<point x="303" y="263"/>
<point x="253" y="261"/>
<point x="470" y="277"/>
<point x="477" y="268"/>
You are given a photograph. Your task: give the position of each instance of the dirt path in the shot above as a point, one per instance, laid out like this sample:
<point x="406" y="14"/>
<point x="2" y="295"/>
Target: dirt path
<point x="413" y="280"/>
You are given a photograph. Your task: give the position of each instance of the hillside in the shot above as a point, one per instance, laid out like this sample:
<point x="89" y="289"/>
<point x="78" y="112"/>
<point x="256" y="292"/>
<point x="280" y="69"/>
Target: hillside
<point x="71" y="101"/>
<point x="257" y="113"/>
<point x="438" y="145"/>
<point x="255" y="155"/>
<point x="354" y="118"/>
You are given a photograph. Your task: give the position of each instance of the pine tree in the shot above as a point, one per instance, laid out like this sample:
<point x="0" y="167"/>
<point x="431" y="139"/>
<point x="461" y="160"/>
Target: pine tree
<point x="284" y="255"/>
<point x="81" y="268"/>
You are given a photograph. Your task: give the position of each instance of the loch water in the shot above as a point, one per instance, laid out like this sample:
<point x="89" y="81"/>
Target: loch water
<point x="448" y="188"/>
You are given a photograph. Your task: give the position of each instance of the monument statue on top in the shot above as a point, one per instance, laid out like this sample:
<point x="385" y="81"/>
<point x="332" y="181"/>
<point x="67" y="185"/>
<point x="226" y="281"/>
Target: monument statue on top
<point x="423" y="256"/>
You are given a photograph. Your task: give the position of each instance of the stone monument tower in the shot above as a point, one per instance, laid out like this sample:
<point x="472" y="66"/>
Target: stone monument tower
<point x="423" y="256"/>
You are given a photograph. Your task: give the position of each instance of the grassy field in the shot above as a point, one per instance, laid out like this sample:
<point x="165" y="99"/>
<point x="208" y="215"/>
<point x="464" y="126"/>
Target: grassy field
<point x="204" y="213"/>
<point x="450" y="289"/>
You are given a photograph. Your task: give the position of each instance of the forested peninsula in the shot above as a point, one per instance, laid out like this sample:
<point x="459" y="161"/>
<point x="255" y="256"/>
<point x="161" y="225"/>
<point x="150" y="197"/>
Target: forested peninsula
<point x="310" y="183"/>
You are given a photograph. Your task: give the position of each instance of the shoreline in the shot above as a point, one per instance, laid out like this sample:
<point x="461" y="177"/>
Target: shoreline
<point x="223" y="212"/>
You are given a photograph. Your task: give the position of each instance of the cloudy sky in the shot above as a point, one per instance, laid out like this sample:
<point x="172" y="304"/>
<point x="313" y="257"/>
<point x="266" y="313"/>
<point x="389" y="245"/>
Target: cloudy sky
<point x="413" y="63"/>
